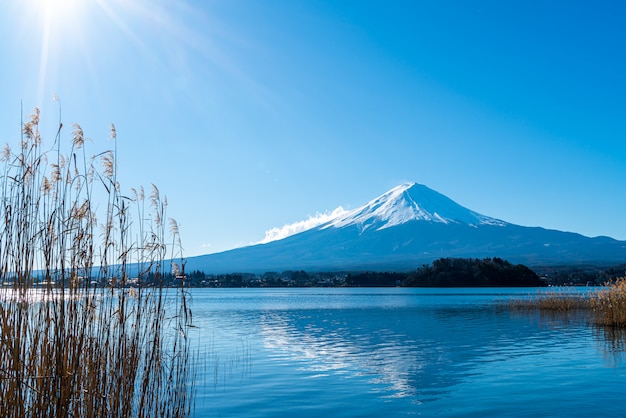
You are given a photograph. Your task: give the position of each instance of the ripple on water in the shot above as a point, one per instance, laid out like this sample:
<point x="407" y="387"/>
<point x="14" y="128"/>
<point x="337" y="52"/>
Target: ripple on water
<point x="399" y="353"/>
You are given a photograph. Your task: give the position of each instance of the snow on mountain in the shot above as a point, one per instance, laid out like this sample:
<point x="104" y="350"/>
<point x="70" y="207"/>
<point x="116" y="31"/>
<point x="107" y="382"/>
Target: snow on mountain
<point x="410" y="202"/>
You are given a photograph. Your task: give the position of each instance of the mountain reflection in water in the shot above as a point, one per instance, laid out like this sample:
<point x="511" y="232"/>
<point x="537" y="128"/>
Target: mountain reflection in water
<point x="396" y="352"/>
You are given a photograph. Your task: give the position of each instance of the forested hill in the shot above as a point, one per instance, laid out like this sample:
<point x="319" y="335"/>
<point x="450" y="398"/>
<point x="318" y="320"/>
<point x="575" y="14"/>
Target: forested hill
<point x="489" y="272"/>
<point x="454" y="272"/>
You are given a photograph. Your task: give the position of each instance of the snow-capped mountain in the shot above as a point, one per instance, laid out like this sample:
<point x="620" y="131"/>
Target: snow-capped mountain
<point x="410" y="202"/>
<point x="404" y="228"/>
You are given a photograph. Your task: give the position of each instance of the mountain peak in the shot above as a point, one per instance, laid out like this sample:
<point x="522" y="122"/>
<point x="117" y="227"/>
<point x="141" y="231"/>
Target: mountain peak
<point x="410" y="202"/>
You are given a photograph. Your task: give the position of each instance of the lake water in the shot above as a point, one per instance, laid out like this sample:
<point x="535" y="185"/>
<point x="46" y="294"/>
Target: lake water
<point x="394" y="352"/>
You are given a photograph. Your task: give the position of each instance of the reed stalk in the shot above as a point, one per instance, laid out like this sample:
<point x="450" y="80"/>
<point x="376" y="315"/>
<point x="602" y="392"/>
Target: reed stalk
<point x="88" y="327"/>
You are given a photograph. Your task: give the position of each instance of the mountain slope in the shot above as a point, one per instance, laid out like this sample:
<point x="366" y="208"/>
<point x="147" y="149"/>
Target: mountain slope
<point x="404" y="228"/>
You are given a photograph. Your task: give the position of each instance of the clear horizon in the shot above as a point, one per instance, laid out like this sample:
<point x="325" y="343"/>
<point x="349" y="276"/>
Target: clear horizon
<point x="251" y="115"/>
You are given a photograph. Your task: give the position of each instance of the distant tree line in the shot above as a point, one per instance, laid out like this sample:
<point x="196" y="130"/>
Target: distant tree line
<point x="580" y="275"/>
<point x="288" y="278"/>
<point x="469" y="272"/>
<point x="445" y="272"/>
<point x="375" y="279"/>
<point x="454" y="272"/>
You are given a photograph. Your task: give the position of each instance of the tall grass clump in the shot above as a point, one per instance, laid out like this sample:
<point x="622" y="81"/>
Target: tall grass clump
<point x="605" y="306"/>
<point x="88" y="327"/>
<point x="609" y="304"/>
<point x="553" y="301"/>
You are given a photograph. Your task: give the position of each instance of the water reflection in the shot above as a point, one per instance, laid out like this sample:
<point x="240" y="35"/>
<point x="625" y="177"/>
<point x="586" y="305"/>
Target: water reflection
<point x="418" y="353"/>
<point x="322" y="344"/>
<point x="360" y="354"/>
<point x="610" y="340"/>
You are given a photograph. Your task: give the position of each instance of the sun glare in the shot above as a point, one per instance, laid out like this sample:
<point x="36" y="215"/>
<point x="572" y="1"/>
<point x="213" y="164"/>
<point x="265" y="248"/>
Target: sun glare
<point x="60" y="11"/>
<point x="71" y="36"/>
<point x="61" y="27"/>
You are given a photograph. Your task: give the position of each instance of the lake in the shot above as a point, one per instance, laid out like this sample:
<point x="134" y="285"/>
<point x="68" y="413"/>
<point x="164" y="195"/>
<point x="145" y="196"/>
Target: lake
<point x="394" y="352"/>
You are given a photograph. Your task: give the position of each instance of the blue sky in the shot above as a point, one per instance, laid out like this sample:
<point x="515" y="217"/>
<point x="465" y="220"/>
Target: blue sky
<point x="250" y="115"/>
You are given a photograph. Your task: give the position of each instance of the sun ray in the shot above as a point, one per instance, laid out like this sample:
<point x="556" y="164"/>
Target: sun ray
<point x="74" y="43"/>
<point x="59" y="23"/>
<point x="43" y="59"/>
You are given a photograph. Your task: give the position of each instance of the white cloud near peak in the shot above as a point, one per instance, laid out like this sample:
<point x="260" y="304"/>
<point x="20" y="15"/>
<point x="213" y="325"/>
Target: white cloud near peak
<point x="275" y="234"/>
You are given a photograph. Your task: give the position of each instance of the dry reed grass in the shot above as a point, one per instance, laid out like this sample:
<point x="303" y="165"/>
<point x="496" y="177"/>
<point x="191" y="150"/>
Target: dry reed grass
<point x="606" y="305"/>
<point x="552" y="301"/>
<point x="609" y="304"/>
<point x="76" y="341"/>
